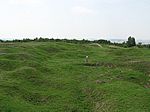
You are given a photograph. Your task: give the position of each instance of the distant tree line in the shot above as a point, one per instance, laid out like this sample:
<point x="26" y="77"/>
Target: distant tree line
<point x="131" y="42"/>
<point x="101" y="41"/>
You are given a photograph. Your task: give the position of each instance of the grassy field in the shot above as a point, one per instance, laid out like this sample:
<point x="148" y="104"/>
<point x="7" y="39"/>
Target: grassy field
<point x="53" y="77"/>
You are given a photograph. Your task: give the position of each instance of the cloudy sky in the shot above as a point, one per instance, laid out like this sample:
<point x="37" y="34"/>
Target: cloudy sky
<point x="90" y="19"/>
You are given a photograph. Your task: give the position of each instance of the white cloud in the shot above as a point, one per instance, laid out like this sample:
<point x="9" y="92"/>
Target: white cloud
<point x="82" y="10"/>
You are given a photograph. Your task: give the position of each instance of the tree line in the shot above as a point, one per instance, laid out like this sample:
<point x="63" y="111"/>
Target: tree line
<point x="131" y="42"/>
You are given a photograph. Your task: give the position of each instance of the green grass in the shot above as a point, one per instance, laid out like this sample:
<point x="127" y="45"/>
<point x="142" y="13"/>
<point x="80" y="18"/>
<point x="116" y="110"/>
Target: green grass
<point x="52" y="77"/>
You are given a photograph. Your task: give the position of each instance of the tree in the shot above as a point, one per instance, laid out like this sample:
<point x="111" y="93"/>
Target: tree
<point x="1" y="40"/>
<point x="140" y="45"/>
<point x="131" y="42"/>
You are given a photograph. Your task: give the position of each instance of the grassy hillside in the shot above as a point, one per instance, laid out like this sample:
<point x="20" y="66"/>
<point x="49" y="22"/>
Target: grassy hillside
<point x="52" y="77"/>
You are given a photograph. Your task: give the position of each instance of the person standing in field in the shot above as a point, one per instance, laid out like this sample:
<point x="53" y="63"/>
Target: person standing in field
<point x="86" y="59"/>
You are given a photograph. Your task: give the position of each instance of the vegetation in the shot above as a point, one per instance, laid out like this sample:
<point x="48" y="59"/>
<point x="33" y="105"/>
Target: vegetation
<point x="131" y="42"/>
<point x="53" y="77"/>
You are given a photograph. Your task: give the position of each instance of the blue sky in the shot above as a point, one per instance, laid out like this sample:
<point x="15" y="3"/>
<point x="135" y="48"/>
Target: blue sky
<point x="90" y="19"/>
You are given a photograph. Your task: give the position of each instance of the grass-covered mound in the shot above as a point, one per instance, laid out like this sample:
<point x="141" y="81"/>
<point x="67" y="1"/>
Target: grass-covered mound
<point x="53" y="77"/>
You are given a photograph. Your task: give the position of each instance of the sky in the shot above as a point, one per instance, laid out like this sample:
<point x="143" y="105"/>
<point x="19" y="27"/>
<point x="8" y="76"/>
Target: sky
<point x="89" y="19"/>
